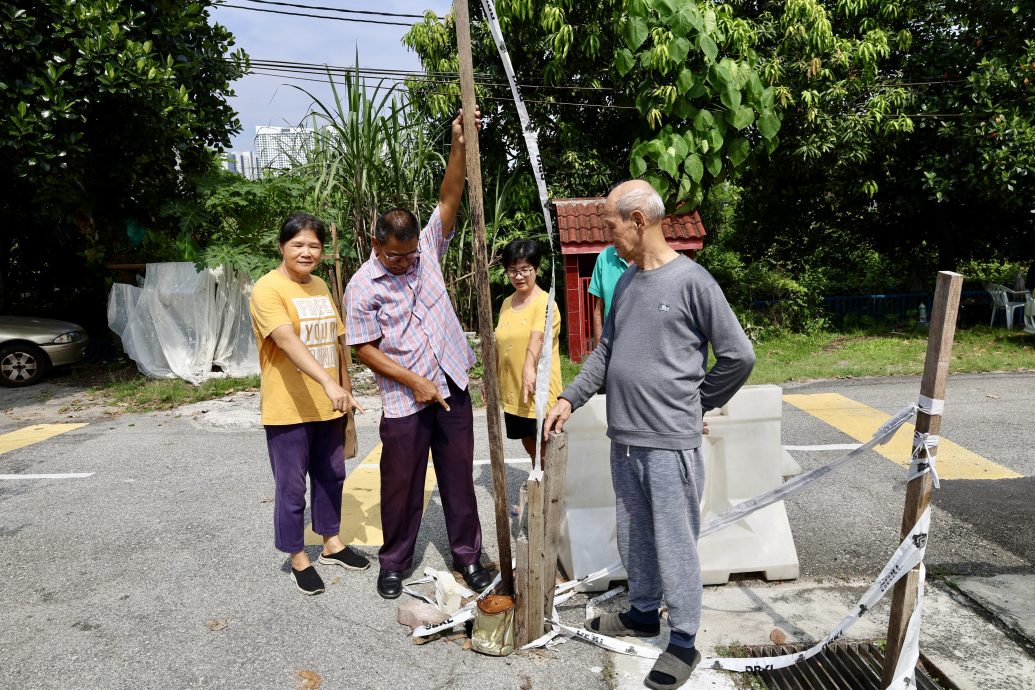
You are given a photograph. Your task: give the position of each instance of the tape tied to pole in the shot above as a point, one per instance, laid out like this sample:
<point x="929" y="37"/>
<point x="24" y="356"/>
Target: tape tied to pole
<point x="924" y="457"/>
<point x="932" y="407"/>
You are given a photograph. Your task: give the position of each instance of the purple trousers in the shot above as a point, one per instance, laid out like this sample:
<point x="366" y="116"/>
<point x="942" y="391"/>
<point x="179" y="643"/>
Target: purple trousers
<point x="313" y="448"/>
<point x="404" y="464"/>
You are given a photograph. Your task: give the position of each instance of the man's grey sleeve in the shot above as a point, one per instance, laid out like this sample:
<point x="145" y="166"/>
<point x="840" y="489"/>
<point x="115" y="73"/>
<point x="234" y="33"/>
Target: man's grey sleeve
<point x="594" y="368"/>
<point x="734" y="356"/>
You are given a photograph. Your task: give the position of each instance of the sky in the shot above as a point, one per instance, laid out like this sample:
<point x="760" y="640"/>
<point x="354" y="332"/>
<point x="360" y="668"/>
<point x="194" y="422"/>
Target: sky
<point x="265" y="100"/>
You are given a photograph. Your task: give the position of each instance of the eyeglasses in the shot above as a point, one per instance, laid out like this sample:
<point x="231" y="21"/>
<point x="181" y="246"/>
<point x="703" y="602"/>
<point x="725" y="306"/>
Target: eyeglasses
<point x="409" y="256"/>
<point x="515" y="272"/>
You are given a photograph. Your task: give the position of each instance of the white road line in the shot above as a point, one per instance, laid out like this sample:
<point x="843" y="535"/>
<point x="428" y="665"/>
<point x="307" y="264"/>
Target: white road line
<point x="79" y="475"/>
<point x="829" y="446"/>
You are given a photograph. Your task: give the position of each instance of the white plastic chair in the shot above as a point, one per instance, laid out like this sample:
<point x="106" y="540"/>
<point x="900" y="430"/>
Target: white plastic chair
<point x="1029" y="315"/>
<point x="1001" y="300"/>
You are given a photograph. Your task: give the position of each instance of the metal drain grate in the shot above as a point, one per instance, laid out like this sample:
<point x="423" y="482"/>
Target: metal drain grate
<point x="842" y="666"/>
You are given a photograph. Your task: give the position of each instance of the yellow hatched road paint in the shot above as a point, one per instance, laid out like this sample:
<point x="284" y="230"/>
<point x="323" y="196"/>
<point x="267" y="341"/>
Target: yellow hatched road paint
<point x="33" y="434"/>
<point x="361" y="503"/>
<point x="860" y="421"/>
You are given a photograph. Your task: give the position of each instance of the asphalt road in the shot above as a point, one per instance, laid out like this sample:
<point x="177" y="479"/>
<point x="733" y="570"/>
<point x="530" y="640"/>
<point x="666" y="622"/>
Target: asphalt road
<point x="159" y="570"/>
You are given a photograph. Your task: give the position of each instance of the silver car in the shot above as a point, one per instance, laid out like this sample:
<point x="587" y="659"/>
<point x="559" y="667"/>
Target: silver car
<point x="29" y="347"/>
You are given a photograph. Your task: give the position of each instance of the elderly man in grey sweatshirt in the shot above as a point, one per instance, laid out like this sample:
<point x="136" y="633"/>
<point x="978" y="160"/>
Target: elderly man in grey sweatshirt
<point x="665" y="313"/>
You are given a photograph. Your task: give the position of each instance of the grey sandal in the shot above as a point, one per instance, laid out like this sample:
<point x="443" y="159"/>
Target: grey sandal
<point x="611" y="625"/>
<point x="671" y="665"/>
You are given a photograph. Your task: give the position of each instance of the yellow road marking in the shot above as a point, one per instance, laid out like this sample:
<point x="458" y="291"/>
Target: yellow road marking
<point x="860" y="421"/>
<point x="33" y="434"/>
<point x="361" y="504"/>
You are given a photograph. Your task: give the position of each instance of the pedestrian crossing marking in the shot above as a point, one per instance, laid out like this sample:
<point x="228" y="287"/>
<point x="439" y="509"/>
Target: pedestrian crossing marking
<point x="361" y="503"/>
<point x="33" y="434"/>
<point x="860" y="421"/>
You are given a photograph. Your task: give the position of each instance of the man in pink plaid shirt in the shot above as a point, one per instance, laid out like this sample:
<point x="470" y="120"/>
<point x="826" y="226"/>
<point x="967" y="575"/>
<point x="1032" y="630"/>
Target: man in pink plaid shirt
<point x="399" y="317"/>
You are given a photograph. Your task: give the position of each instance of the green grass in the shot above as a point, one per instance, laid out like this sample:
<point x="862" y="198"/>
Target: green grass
<point x="137" y="393"/>
<point x="796" y="357"/>
<point x="826" y="355"/>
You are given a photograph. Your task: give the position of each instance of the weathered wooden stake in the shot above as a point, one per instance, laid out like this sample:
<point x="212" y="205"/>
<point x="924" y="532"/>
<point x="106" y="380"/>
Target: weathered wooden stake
<point x="534" y="596"/>
<point x="918" y="491"/>
<point x="536" y="571"/>
<point x="490" y="391"/>
<point x="555" y="467"/>
<point x="339" y="289"/>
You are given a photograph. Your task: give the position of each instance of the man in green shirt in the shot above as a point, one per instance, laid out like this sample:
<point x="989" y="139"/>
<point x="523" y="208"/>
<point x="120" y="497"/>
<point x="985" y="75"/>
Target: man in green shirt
<point x="606" y="272"/>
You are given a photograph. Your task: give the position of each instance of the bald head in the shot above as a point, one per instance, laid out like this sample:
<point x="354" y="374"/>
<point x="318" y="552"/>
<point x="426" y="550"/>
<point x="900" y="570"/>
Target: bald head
<point x="637" y="195"/>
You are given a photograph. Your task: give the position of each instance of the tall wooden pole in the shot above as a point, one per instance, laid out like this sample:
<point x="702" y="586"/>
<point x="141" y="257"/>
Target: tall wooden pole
<point x="918" y="491"/>
<point x="490" y="391"/>
<point x="339" y="289"/>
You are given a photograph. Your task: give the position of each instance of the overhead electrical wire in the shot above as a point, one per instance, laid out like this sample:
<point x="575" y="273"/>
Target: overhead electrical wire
<point x="600" y="106"/>
<point x="334" y="9"/>
<point x="315" y="16"/>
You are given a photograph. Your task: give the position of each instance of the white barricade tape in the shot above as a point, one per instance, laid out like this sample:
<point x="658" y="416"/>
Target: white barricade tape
<point x="460" y="617"/>
<point x="931" y="406"/>
<point x="793" y="486"/>
<point x="612" y="644"/>
<point x="531" y="136"/>
<point x="591" y="604"/>
<point x="909" y="553"/>
<point x="418" y="595"/>
<point x="570" y="585"/>
<point x="905" y="669"/>
<point x="924" y="459"/>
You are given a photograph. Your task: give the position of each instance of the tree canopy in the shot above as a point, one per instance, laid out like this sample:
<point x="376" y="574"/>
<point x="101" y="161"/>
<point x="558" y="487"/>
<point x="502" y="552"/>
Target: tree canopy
<point x="109" y="107"/>
<point x="871" y="142"/>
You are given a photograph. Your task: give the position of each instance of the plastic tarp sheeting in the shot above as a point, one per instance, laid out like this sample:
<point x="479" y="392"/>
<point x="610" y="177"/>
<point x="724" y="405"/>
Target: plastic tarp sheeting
<point x="183" y="323"/>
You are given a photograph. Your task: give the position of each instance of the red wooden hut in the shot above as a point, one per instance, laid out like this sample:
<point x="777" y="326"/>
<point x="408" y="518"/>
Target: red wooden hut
<point x="580" y="224"/>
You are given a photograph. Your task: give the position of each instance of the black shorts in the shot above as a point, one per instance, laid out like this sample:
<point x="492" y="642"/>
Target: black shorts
<point x="519" y="427"/>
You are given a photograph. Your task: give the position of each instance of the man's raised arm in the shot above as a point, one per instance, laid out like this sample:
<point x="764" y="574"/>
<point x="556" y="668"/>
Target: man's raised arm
<point x="452" y="189"/>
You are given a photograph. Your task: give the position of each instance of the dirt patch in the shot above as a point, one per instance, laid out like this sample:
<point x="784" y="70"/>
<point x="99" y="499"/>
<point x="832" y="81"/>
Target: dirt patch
<point x="840" y="341"/>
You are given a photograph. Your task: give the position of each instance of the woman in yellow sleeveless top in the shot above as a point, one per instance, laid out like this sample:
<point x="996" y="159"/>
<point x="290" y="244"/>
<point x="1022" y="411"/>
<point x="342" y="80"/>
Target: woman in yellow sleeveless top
<point x="520" y="333"/>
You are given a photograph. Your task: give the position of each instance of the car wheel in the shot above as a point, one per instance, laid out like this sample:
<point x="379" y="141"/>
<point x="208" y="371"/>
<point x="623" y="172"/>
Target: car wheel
<point x="22" y="365"/>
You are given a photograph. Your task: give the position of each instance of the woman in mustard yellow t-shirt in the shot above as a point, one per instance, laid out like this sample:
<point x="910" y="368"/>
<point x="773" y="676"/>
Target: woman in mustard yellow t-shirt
<point x="520" y="333"/>
<point x="303" y="404"/>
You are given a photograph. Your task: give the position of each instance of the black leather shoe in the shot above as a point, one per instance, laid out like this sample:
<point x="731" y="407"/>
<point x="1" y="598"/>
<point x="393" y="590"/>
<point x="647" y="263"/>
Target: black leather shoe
<point x="389" y="584"/>
<point x="476" y="576"/>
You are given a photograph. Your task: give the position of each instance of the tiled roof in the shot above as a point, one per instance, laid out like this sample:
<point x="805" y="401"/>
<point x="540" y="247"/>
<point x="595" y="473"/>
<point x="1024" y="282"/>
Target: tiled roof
<point x="582" y="220"/>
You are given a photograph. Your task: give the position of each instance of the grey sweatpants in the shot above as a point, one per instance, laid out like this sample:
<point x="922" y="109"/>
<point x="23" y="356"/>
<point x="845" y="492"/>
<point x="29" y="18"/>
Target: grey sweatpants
<point x="659" y="518"/>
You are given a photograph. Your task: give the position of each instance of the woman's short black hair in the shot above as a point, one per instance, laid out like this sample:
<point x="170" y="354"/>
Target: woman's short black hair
<point x="516" y="250"/>
<point x="300" y="222"/>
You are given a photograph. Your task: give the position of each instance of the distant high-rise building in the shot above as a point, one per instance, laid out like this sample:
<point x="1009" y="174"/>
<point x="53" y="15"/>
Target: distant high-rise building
<point x="240" y="162"/>
<point x="282" y="147"/>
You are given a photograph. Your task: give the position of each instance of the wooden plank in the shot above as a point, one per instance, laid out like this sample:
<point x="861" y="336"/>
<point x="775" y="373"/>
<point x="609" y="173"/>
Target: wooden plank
<point x="490" y="377"/>
<point x="520" y="587"/>
<point x="918" y="491"/>
<point x="338" y="288"/>
<point x="534" y="594"/>
<point x="555" y="468"/>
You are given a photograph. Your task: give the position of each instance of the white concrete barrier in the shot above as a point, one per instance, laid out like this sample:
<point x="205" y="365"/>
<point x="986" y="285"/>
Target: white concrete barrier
<point x="744" y="456"/>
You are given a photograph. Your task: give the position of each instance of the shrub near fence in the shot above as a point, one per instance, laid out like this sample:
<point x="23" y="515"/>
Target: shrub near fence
<point x="854" y="311"/>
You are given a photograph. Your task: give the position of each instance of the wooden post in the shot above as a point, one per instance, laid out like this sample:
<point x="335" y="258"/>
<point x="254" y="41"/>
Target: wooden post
<point x="534" y="596"/>
<point x="339" y="290"/>
<point x="555" y="468"/>
<point x="490" y="390"/>
<point x="918" y="491"/>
